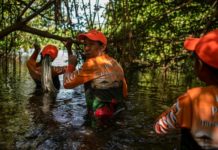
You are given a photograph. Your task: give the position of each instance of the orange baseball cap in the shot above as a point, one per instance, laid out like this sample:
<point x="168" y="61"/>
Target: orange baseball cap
<point x="206" y="47"/>
<point x="93" y="35"/>
<point x="50" y="50"/>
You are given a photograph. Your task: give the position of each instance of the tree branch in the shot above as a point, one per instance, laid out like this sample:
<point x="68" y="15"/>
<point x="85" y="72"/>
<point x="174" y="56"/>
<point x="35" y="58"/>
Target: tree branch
<point x="20" y="24"/>
<point x="47" y="34"/>
<point x="46" y="6"/>
<point x="25" y="9"/>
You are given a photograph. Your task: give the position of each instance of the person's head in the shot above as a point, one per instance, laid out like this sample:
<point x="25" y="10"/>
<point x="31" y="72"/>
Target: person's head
<point x="48" y="54"/>
<point x="50" y="50"/>
<point x="205" y="50"/>
<point x="94" y="42"/>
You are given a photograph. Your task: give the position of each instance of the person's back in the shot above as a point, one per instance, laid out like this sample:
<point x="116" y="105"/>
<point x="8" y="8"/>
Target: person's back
<point x="107" y="84"/>
<point x="196" y="111"/>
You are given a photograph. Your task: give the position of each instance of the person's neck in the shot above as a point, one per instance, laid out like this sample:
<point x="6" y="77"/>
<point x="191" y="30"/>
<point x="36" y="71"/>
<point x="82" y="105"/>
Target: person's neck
<point x="100" y="54"/>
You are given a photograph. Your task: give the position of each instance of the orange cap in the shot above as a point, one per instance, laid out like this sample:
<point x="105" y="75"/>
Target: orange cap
<point x="93" y="35"/>
<point x="50" y="50"/>
<point x="206" y="47"/>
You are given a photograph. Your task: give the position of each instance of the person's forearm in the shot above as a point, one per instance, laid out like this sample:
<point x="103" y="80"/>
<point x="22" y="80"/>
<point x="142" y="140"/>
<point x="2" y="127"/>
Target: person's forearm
<point x="34" y="55"/>
<point x="69" y="80"/>
<point x="37" y="49"/>
<point x="166" y="122"/>
<point x="58" y="70"/>
<point x="73" y="79"/>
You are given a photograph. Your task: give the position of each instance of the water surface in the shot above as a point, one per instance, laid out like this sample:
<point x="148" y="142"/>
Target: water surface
<point x="30" y="119"/>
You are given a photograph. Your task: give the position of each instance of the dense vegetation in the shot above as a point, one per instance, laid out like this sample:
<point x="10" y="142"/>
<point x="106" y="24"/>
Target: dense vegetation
<point x="140" y="32"/>
<point x="152" y="32"/>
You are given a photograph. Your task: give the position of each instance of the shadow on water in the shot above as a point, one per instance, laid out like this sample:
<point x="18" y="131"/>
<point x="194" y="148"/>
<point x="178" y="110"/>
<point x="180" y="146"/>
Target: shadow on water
<point x="30" y="119"/>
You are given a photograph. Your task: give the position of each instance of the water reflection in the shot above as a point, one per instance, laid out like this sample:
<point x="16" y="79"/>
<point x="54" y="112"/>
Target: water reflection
<point x="40" y="106"/>
<point x="53" y="118"/>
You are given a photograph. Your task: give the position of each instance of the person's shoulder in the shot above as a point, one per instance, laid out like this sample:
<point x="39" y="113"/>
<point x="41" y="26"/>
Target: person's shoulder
<point x="195" y="92"/>
<point x="190" y="94"/>
<point x="96" y="60"/>
<point x="89" y="63"/>
<point x="111" y="60"/>
<point x="106" y="56"/>
<point x="203" y="91"/>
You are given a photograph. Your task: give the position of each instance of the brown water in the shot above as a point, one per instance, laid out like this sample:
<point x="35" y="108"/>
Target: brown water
<point x="32" y="120"/>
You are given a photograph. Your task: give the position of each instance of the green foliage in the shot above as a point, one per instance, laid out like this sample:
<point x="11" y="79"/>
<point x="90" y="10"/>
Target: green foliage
<point x="61" y="18"/>
<point x="157" y="29"/>
<point x="150" y="31"/>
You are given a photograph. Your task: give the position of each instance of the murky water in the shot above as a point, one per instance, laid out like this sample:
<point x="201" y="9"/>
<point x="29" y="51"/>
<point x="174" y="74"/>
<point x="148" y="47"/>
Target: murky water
<point x="32" y="120"/>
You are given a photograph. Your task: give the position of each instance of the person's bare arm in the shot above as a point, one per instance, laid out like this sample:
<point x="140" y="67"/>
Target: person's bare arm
<point x="72" y="59"/>
<point x="34" y="70"/>
<point x="35" y="54"/>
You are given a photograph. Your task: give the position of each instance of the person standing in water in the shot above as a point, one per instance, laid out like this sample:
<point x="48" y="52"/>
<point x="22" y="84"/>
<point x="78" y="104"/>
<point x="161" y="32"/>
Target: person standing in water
<point x="43" y="73"/>
<point x="102" y="76"/>
<point x="196" y="111"/>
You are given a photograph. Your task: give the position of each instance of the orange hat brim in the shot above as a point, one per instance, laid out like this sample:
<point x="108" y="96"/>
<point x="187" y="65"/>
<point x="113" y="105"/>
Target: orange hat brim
<point x="93" y="35"/>
<point x="191" y="43"/>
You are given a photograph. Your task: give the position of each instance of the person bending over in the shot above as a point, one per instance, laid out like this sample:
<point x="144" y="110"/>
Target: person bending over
<point x="42" y="72"/>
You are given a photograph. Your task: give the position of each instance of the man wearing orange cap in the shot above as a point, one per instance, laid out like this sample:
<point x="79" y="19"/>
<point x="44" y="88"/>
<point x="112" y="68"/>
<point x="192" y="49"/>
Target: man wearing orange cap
<point x="49" y="52"/>
<point x="102" y="76"/>
<point x="196" y="110"/>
